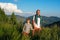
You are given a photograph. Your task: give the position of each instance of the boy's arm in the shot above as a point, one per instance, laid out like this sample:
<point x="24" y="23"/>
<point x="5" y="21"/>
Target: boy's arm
<point x="24" y="28"/>
<point x="31" y="27"/>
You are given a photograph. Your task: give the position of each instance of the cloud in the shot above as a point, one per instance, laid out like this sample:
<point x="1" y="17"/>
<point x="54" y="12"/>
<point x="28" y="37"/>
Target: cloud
<point x="9" y="8"/>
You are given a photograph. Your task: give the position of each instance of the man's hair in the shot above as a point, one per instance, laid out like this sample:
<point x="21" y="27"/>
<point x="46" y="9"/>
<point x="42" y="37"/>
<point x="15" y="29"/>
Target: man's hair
<point x="37" y="10"/>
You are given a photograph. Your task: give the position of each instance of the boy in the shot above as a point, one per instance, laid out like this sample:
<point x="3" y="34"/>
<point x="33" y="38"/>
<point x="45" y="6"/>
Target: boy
<point x="27" y="27"/>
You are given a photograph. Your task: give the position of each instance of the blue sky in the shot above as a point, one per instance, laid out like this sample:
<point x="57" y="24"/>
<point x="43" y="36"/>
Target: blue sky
<point x="47" y="7"/>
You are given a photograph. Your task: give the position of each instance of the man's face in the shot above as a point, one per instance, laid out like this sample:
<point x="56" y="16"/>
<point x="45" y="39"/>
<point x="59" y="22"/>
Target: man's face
<point x="38" y="12"/>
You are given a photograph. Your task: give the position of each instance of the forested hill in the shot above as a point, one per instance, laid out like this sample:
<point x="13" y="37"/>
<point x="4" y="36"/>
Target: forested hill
<point x="19" y="18"/>
<point x="46" y="20"/>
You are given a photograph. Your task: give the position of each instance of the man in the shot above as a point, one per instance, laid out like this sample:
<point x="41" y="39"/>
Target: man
<point x="37" y="19"/>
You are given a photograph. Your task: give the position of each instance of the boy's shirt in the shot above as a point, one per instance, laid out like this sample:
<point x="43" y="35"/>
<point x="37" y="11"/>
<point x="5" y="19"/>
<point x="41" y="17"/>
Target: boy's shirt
<point x="27" y="28"/>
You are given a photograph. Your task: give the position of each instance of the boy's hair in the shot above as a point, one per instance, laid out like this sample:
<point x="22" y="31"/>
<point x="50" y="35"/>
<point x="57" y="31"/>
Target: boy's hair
<point x="27" y="19"/>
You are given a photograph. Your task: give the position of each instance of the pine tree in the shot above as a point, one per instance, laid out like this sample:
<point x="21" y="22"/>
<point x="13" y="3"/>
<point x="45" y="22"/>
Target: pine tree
<point x="3" y="17"/>
<point x="13" y="19"/>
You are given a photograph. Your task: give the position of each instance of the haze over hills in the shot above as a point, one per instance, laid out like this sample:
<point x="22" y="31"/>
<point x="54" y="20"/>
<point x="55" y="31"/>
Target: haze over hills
<point x="19" y="18"/>
<point x="50" y="20"/>
<point x="47" y="20"/>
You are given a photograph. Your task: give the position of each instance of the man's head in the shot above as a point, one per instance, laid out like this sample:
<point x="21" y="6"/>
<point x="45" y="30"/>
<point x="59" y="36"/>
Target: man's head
<point x="38" y="12"/>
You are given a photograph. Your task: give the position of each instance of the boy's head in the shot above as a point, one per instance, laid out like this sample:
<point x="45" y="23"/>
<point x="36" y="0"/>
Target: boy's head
<point x="28" y="20"/>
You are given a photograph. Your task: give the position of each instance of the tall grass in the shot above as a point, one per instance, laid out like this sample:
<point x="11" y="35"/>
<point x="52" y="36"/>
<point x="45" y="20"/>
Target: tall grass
<point x="13" y="32"/>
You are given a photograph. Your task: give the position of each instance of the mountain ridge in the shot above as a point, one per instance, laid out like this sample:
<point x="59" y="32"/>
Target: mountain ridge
<point x="48" y="20"/>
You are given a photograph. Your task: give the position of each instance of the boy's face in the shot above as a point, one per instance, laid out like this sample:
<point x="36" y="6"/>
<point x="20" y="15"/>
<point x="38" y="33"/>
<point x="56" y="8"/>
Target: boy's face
<point x="28" y="21"/>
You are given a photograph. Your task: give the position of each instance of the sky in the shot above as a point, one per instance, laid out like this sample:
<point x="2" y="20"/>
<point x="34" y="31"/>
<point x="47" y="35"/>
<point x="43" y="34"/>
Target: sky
<point x="29" y="7"/>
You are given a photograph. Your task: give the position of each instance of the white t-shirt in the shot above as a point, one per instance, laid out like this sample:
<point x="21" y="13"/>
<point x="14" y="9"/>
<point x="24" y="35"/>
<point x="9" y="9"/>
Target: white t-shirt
<point x="38" y="22"/>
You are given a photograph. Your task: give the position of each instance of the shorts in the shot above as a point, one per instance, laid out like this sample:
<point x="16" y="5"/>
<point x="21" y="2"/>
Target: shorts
<point x="24" y="33"/>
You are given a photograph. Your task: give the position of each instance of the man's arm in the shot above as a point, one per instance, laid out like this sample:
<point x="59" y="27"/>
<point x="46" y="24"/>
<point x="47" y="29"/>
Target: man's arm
<point x="33" y="21"/>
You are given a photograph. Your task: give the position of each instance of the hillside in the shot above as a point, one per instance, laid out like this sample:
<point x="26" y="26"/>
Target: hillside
<point x="47" y="20"/>
<point x="19" y="18"/>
